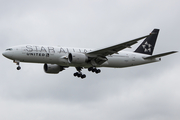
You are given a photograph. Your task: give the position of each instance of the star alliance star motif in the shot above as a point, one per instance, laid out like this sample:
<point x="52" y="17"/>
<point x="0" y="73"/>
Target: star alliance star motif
<point x="147" y="47"/>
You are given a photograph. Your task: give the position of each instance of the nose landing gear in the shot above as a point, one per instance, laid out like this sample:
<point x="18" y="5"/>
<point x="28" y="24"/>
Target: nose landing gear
<point x="18" y="68"/>
<point x="17" y="63"/>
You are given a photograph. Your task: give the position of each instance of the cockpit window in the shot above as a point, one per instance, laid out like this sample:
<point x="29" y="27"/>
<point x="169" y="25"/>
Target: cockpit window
<point x="9" y="49"/>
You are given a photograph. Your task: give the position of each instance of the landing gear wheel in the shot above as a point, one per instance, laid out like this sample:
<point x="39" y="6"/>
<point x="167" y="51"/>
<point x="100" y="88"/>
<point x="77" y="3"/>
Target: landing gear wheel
<point x="98" y="71"/>
<point x="76" y="74"/>
<point x="79" y="75"/>
<point x="90" y="69"/>
<point x="83" y="76"/>
<point x="18" y="68"/>
<point x="94" y="70"/>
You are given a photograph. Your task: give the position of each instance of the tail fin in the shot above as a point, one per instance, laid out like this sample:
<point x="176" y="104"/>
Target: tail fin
<point x="147" y="46"/>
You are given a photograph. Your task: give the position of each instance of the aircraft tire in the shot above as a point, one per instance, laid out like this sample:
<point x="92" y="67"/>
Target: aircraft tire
<point x="83" y="76"/>
<point x="97" y="71"/>
<point x="18" y="68"/>
<point x="75" y="74"/>
<point x="90" y="69"/>
<point x="79" y="75"/>
<point x="94" y="70"/>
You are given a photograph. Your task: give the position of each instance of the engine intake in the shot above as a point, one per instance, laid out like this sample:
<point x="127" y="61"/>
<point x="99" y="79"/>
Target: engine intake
<point x="77" y="58"/>
<point x="53" y="68"/>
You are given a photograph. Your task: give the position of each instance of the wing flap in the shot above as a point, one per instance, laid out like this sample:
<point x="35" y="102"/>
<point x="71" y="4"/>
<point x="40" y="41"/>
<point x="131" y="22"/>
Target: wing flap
<point x="160" y="55"/>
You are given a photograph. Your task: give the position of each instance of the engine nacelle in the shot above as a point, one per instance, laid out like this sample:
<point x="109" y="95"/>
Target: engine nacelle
<point x="52" y="68"/>
<point x="77" y="58"/>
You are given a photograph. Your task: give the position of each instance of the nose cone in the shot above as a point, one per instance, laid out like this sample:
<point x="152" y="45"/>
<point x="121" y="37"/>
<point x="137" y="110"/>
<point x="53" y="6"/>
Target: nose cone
<point x="7" y="55"/>
<point x="4" y="54"/>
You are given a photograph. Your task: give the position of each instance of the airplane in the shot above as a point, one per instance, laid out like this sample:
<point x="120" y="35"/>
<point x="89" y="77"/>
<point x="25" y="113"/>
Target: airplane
<point x="57" y="59"/>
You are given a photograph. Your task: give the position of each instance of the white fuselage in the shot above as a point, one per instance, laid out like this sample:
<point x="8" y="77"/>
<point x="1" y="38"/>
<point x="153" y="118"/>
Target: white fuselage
<point x="59" y="55"/>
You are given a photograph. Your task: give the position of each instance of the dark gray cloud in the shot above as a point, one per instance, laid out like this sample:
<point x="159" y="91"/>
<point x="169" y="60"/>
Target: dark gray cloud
<point x="142" y="92"/>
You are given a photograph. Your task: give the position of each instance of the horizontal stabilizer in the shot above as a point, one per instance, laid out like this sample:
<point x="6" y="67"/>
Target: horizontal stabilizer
<point x="160" y="55"/>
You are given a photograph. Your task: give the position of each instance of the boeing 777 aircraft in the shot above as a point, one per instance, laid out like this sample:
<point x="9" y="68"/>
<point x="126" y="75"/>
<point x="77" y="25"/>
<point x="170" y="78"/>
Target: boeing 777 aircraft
<point x="56" y="58"/>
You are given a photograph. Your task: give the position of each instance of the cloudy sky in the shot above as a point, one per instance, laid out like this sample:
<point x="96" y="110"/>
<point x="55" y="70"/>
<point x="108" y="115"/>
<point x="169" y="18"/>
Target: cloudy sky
<point x="148" y="92"/>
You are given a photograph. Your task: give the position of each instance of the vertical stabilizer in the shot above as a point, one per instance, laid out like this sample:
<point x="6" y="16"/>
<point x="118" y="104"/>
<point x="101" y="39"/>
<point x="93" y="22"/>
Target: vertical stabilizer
<point x="147" y="46"/>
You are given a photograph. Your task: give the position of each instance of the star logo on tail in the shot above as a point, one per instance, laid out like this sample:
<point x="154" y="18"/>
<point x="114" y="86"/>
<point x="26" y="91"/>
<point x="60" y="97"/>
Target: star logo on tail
<point x="147" y="47"/>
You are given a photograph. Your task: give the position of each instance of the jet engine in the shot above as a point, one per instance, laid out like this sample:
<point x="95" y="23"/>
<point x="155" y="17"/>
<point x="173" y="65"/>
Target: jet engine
<point x="52" y="68"/>
<point x="77" y="58"/>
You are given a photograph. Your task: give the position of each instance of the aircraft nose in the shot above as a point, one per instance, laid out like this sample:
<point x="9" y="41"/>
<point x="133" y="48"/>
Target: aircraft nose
<point x="7" y="55"/>
<point x="4" y="54"/>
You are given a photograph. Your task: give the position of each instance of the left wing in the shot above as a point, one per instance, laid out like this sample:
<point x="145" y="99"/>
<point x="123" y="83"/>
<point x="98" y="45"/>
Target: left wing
<point x="114" y="49"/>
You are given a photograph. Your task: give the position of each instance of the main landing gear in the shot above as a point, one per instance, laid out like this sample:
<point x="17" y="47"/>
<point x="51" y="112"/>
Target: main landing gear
<point x="79" y="73"/>
<point x="17" y="63"/>
<point x="94" y="69"/>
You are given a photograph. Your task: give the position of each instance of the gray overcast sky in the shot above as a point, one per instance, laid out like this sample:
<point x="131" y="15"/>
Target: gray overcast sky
<point x="148" y="92"/>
